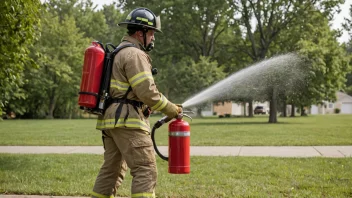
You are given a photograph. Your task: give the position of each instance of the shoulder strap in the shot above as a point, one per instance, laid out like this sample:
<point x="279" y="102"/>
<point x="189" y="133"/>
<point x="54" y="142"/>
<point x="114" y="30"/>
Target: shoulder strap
<point x="105" y="84"/>
<point x="112" y="56"/>
<point x="109" y="60"/>
<point x="121" y="47"/>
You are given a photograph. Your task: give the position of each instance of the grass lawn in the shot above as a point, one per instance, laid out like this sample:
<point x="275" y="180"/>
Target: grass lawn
<point x="298" y="131"/>
<point x="75" y="174"/>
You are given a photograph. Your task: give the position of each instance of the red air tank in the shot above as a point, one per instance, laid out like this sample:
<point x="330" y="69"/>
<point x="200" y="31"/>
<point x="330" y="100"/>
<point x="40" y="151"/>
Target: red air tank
<point x="91" y="75"/>
<point x="179" y="147"/>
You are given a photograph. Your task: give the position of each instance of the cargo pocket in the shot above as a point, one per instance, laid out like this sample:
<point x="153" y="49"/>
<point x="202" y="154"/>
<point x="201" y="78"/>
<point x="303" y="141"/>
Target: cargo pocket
<point x="143" y="151"/>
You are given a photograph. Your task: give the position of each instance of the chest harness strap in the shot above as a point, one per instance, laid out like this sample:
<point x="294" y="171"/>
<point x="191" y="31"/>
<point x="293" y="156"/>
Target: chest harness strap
<point x="123" y="101"/>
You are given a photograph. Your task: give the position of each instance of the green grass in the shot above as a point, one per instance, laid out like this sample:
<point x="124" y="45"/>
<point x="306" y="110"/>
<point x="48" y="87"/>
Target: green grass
<point x="75" y="174"/>
<point x="298" y="131"/>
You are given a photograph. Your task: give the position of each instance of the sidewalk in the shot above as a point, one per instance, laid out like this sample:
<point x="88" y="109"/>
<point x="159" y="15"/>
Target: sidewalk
<point x="260" y="151"/>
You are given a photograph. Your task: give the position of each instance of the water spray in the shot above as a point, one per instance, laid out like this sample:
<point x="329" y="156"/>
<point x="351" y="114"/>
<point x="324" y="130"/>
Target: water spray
<point x="284" y="73"/>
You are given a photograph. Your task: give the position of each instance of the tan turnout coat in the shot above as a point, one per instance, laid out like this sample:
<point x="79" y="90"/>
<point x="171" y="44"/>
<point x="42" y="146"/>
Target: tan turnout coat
<point x="132" y="67"/>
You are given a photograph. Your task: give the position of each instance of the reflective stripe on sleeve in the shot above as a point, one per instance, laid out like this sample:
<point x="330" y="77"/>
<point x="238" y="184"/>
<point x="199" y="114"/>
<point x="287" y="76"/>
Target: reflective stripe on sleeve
<point x="94" y="194"/>
<point x="140" y="77"/>
<point x="161" y="104"/>
<point x="143" y="195"/>
<point x="180" y="133"/>
<point x="121" y="86"/>
<point x="130" y="123"/>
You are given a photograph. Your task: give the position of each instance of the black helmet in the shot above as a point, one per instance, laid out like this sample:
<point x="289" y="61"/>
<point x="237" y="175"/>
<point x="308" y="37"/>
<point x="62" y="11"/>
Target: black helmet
<point x="142" y="18"/>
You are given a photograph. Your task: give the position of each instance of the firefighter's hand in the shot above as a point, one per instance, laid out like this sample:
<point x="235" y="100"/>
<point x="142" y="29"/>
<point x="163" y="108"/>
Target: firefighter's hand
<point x="173" y="111"/>
<point x="179" y="109"/>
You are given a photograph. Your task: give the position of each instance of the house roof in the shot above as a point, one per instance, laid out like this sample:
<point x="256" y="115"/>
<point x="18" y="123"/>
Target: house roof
<point x="342" y="97"/>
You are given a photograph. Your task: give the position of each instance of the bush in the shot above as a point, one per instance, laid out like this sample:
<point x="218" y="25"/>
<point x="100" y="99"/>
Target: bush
<point x="337" y="110"/>
<point x="227" y="115"/>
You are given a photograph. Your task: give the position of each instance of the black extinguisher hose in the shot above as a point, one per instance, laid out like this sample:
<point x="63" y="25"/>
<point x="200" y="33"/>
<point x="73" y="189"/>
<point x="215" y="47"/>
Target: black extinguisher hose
<point x="158" y="124"/>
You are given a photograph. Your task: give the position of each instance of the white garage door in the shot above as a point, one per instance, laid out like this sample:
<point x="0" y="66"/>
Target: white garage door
<point x="346" y="108"/>
<point x="236" y="109"/>
<point x="314" y="110"/>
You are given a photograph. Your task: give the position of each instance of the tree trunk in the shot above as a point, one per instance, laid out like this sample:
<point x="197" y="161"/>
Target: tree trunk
<point x="199" y="112"/>
<point x="250" y="108"/>
<point x="303" y="111"/>
<point x="244" y="109"/>
<point x="293" y="113"/>
<point x="51" y="109"/>
<point x="284" y="112"/>
<point x="52" y="103"/>
<point x="273" y="108"/>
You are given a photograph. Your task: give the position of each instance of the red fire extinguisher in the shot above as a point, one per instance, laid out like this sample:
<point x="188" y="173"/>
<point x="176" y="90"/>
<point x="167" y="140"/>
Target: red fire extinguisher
<point x="179" y="144"/>
<point x="91" y="75"/>
<point x="95" y="83"/>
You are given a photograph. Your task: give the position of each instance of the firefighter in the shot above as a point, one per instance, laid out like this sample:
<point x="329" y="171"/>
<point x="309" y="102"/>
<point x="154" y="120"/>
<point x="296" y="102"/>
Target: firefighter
<point x="125" y="126"/>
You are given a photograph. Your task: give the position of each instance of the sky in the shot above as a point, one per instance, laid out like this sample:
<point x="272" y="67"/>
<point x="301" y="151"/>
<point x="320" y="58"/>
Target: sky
<point x="339" y="19"/>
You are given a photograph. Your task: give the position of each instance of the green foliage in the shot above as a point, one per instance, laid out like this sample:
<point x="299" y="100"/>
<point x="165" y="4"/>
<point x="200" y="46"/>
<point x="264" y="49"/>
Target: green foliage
<point x="113" y="15"/>
<point x="59" y="54"/>
<point x="329" y="62"/>
<point x="349" y="90"/>
<point x="190" y="75"/>
<point x="268" y="27"/>
<point x="348" y="27"/>
<point x="198" y="37"/>
<point x="337" y="110"/>
<point x="191" y="27"/>
<point x="191" y="30"/>
<point x="19" y="29"/>
<point x="197" y="76"/>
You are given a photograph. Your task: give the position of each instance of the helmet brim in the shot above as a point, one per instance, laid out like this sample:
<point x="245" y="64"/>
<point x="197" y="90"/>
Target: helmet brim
<point x="125" y="24"/>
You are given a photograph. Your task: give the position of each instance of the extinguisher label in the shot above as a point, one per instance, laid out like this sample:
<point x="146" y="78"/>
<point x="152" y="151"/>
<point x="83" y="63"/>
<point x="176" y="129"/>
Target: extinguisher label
<point x="180" y="134"/>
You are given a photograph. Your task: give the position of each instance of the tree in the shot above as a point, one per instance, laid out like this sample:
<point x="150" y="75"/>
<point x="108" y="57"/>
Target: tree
<point x="68" y="26"/>
<point x="89" y="21"/>
<point x="329" y="65"/>
<point x="57" y="80"/>
<point x="190" y="29"/>
<point x="113" y="15"/>
<point x="193" y="76"/>
<point x="19" y="29"/>
<point x="348" y="27"/>
<point x="92" y="23"/>
<point x="271" y="17"/>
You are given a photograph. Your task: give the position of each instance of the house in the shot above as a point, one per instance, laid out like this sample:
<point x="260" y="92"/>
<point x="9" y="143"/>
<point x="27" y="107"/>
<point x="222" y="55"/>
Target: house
<point x="237" y="109"/>
<point x="343" y="104"/>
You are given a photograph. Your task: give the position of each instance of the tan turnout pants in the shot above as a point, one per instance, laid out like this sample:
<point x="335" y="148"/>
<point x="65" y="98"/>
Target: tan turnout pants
<point x="127" y="147"/>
